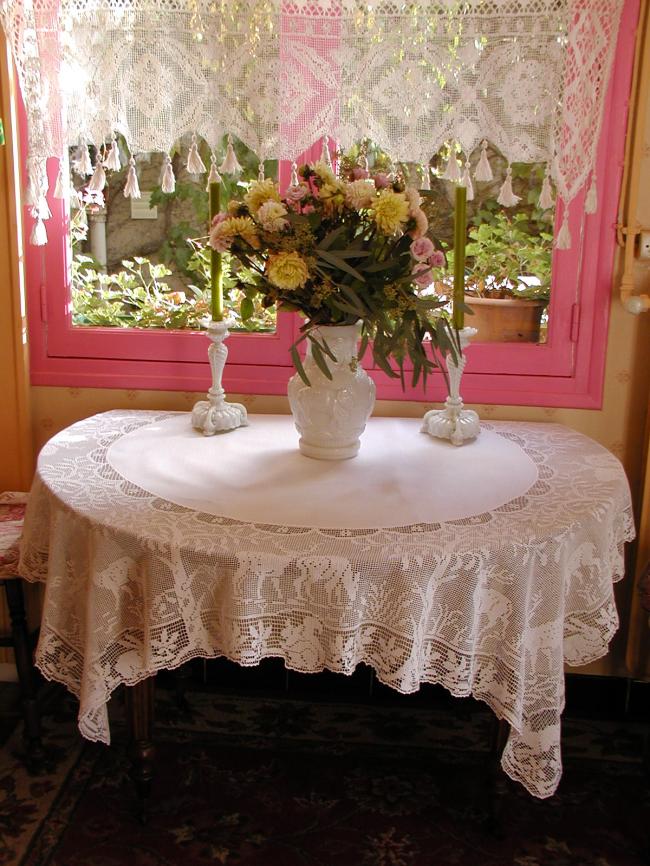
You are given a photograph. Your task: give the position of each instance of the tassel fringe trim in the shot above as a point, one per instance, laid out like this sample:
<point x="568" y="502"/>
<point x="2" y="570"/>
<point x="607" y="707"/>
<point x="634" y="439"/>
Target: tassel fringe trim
<point x="195" y="164"/>
<point x="98" y="180"/>
<point x="507" y="198"/>
<point x="38" y="237"/>
<point x="452" y="172"/>
<point x="168" y="180"/>
<point x="563" y="241"/>
<point x="132" y="187"/>
<point x="546" y="200"/>
<point x="81" y="161"/>
<point x="112" y="161"/>
<point x="214" y="176"/>
<point x="466" y="181"/>
<point x="230" y="164"/>
<point x="483" y="171"/>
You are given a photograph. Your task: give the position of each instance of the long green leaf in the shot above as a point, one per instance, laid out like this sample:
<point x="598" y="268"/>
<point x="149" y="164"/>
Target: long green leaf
<point x="342" y="265"/>
<point x="339" y="304"/>
<point x="350" y="254"/>
<point x="330" y="237"/>
<point x="318" y="356"/>
<point x="384" y="365"/>
<point x="297" y="363"/>
<point x="326" y="349"/>
<point x="379" y="266"/>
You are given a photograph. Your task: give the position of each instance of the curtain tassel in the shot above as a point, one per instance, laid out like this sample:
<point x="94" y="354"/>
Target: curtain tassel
<point x="167" y="179"/>
<point x="483" y="171"/>
<point x="591" y="201"/>
<point x="507" y="198"/>
<point x="326" y="155"/>
<point x="564" y="235"/>
<point x="41" y="210"/>
<point x="260" y="171"/>
<point x="426" y="177"/>
<point x="452" y="172"/>
<point x="98" y="180"/>
<point x="195" y="164"/>
<point x="546" y="196"/>
<point x="29" y="197"/>
<point x="81" y="161"/>
<point x="294" y="174"/>
<point x="38" y="237"/>
<point x="132" y="187"/>
<point x="214" y="176"/>
<point x="60" y="187"/>
<point x="466" y="181"/>
<point x="112" y="161"/>
<point x="230" y="164"/>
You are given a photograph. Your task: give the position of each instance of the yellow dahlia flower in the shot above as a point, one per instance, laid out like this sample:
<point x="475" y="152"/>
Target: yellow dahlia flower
<point x="223" y="234"/>
<point x="325" y="173"/>
<point x="259" y="192"/>
<point x="332" y="197"/>
<point x="287" y="270"/>
<point x="390" y="211"/>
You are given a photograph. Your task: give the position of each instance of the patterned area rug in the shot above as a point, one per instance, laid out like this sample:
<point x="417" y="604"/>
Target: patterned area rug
<point x="283" y="782"/>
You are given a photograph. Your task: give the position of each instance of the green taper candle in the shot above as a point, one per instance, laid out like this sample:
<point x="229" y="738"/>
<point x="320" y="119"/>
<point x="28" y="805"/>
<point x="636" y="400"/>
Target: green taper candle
<point x="460" y="234"/>
<point x="216" y="265"/>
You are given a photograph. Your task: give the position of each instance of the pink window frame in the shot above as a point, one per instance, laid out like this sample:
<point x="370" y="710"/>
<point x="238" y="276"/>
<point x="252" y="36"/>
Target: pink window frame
<point x="567" y="371"/>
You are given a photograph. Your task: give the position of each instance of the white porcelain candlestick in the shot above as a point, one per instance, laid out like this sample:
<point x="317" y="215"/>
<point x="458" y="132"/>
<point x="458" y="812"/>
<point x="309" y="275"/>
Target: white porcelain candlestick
<point x="454" y="422"/>
<point x="215" y="415"/>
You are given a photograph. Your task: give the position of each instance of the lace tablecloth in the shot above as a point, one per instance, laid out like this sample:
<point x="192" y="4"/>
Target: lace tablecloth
<point x="484" y="568"/>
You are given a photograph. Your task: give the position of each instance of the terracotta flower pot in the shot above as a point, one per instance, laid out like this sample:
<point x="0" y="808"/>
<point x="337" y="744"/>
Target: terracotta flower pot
<point x="505" y="320"/>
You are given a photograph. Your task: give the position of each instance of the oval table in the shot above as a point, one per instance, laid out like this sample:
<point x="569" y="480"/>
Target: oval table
<point x="484" y="568"/>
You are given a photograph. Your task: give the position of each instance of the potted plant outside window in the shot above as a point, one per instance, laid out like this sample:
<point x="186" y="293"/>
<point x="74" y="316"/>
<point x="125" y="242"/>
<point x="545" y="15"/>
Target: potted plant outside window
<point x="508" y="278"/>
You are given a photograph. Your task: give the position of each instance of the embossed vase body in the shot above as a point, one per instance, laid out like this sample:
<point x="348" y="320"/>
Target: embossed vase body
<point x="331" y="415"/>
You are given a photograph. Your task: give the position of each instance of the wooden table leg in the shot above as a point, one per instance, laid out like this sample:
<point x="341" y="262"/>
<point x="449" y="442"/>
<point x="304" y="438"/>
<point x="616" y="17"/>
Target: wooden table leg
<point x="140" y="718"/>
<point x="499" y="734"/>
<point x="26" y="673"/>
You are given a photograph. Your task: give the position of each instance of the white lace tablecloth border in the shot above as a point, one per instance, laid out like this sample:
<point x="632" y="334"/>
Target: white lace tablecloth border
<point x="491" y="605"/>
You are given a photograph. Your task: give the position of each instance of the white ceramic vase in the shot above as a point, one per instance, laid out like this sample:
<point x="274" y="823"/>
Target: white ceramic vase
<point x="331" y="415"/>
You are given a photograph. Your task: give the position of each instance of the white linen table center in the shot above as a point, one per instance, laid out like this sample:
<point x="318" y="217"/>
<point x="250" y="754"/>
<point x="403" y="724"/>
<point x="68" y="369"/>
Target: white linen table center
<point x="483" y="568"/>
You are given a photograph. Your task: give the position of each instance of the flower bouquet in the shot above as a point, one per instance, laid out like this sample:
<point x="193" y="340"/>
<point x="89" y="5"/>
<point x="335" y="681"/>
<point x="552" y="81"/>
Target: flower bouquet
<point x="341" y="251"/>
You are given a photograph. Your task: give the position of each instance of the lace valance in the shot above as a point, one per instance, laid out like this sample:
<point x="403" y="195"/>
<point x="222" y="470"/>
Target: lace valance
<point x="528" y="76"/>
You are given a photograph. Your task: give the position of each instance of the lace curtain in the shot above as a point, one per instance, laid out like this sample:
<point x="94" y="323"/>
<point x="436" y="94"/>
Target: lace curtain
<point x="528" y="76"/>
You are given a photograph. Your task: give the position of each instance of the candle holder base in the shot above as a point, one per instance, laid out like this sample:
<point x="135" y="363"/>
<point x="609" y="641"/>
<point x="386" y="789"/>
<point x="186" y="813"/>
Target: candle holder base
<point x="454" y="422"/>
<point x="216" y="415"/>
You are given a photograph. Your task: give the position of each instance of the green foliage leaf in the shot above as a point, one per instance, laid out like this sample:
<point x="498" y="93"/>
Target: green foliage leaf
<point x="247" y="309"/>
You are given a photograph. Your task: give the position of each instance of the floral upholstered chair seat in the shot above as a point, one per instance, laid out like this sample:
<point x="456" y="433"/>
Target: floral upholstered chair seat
<point x="12" y="513"/>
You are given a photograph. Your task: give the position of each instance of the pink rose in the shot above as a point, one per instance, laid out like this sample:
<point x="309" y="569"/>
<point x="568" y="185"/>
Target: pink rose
<point x="421" y="249"/>
<point x="422" y="275"/>
<point x="381" y="180"/>
<point x="296" y="193"/>
<point x="308" y="208"/>
<point x="359" y="173"/>
<point x="436" y="259"/>
<point x="313" y="186"/>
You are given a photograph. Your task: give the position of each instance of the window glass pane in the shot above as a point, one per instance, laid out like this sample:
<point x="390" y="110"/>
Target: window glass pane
<point x="145" y="262"/>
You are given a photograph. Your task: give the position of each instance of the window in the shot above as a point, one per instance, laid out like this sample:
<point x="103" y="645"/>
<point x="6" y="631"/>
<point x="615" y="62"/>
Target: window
<point x="566" y="369"/>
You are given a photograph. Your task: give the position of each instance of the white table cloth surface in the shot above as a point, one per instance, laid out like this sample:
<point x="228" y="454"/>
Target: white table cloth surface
<point x="483" y="568"/>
